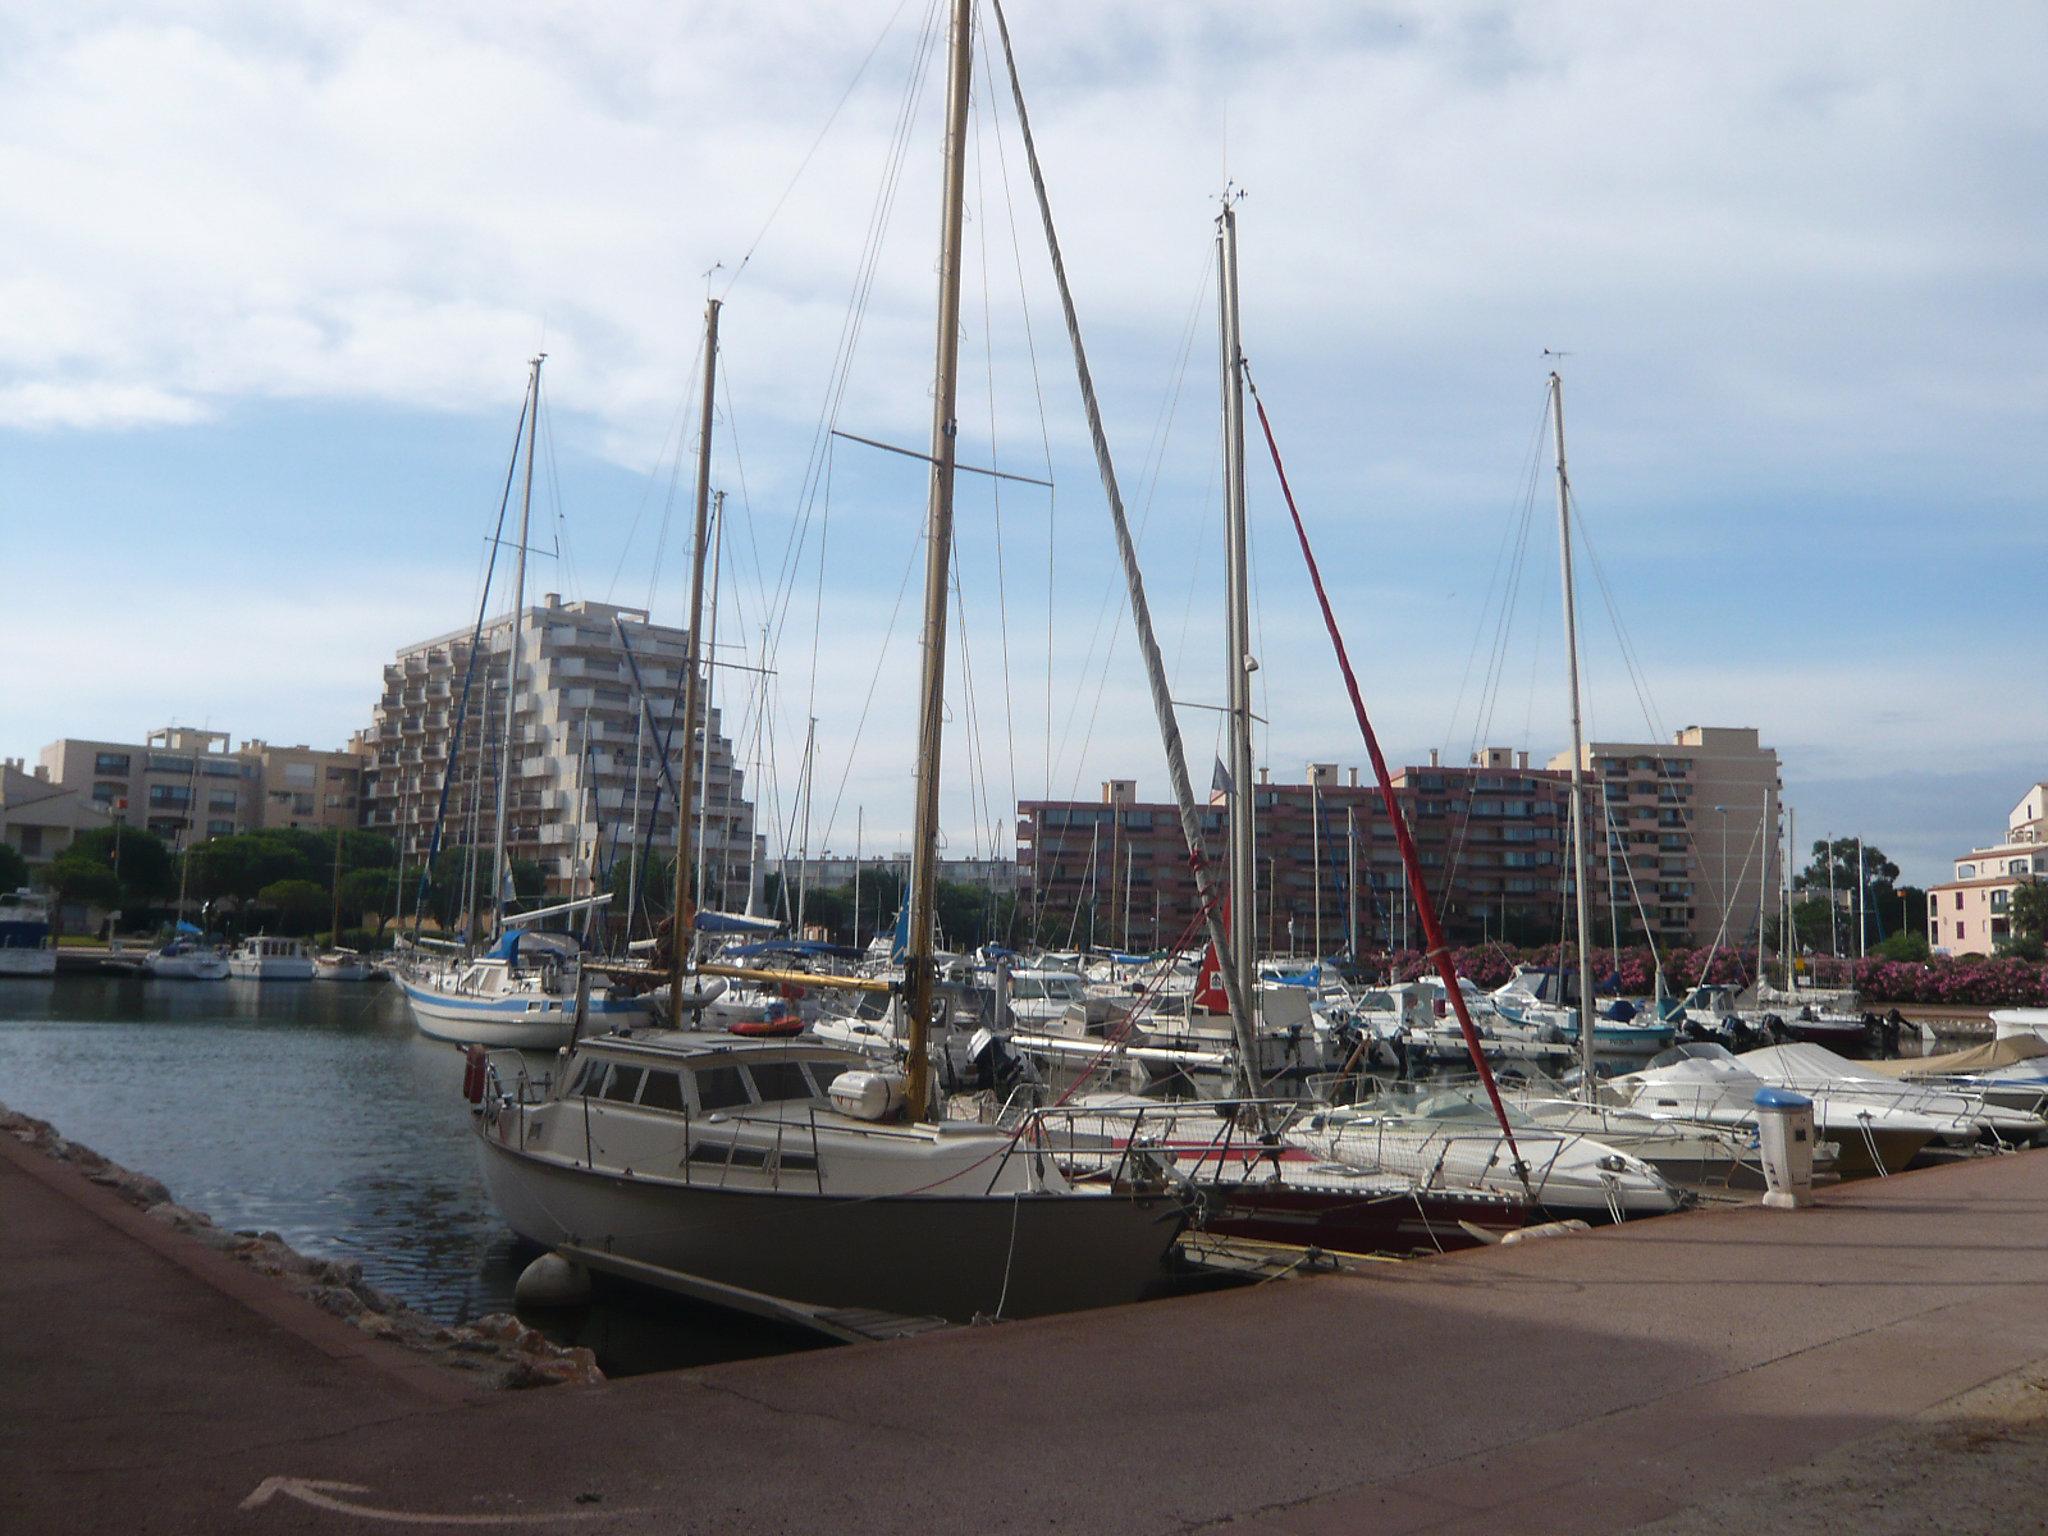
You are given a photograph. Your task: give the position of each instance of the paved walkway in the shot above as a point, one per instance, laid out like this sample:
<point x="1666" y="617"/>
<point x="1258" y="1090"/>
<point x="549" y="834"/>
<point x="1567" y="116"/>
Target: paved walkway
<point x="1587" y="1384"/>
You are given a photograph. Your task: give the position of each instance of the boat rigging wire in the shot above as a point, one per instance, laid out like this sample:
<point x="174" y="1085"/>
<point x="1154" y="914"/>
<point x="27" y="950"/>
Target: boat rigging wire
<point x="1439" y="947"/>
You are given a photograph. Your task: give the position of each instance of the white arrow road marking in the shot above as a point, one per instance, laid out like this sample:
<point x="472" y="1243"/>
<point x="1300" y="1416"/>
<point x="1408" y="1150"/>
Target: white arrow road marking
<point x="321" y="1496"/>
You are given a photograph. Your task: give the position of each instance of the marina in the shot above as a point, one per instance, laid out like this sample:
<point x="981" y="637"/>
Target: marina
<point x="1248" y="1076"/>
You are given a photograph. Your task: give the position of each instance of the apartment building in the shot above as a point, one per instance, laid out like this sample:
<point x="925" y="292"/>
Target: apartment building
<point x="597" y="741"/>
<point x="1690" y="828"/>
<point x="1969" y="915"/>
<point x="1116" y="871"/>
<point x="1692" y="831"/>
<point x="38" y="819"/>
<point x="182" y="782"/>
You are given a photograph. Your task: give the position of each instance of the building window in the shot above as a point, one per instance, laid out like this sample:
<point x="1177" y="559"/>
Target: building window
<point x="1959" y="906"/>
<point x="110" y="762"/>
<point x="221" y="801"/>
<point x="302" y="773"/>
<point x="31" y="841"/>
<point x="1959" y="927"/>
<point x="2000" y="900"/>
<point x="170" y="794"/>
<point x="1966" y="871"/>
<point x="220" y="829"/>
<point x="106" y="794"/>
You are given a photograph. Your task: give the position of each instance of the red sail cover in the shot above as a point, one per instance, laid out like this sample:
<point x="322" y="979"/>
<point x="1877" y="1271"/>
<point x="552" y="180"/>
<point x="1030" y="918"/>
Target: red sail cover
<point x="1209" y="994"/>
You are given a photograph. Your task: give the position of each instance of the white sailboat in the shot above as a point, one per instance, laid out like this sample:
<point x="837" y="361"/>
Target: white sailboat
<point x="527" y="991"/>
<point x="789" y="1167"/>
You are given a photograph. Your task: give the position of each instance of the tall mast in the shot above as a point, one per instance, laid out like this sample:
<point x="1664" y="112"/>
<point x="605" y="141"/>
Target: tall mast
<point x="1351" y="882"/>
<point x="1315" y="861"/>
<point x="917" y="960"/>
<point x="499" y="869"/>
<point x="334" y="922"/>
<point x="803" y="847"/>
<point x="710" y="690"/>
<point x="1788" y="941"/>
<point x="682" y="911"/>
<point x="1571" y="646"/>
<point x="1767" y="845"/>
<point x="1238" y="661"/>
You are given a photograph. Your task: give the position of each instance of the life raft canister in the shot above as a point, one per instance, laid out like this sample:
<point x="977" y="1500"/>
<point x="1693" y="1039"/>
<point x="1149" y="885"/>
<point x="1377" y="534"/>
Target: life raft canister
<point x="475" y="1072"/>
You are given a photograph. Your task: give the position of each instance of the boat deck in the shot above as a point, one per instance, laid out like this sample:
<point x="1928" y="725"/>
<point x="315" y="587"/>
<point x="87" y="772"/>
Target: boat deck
<point x="1587" y="1383"/>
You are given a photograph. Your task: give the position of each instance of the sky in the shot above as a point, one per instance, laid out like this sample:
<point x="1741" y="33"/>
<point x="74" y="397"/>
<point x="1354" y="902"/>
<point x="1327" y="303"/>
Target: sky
<point x="270" y="278"/>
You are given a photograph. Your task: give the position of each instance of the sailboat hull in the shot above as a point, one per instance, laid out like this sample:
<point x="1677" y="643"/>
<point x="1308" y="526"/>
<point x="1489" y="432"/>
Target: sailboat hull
<point x="918" y="1255"/>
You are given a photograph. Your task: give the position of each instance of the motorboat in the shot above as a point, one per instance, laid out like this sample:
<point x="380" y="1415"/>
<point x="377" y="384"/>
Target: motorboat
<point x="342" y="965"/>
<point x="267" y="958"/>
<point x="1820" y="1074"/>
<point x="25" y="947"/>
<point x="1442" y="1142"/>
<point x="2010" y="1071"/>
<point x="185" y="959"/>
<point x="1258" y="1186"/>
<point x="521" y="995"/>
<point x="790" y="1168"/>
<point x="1709" y="1084"/>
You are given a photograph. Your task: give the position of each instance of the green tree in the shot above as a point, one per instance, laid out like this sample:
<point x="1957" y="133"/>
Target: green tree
<point x="364" y="891"/>
<point x="13" y="868"/>
<point x="2029" y="916"/>
<point x="142" y="861"/>
<point x="76" y="877"/>
<point x="299" y="904"/>
<point x="1906" y="944"/>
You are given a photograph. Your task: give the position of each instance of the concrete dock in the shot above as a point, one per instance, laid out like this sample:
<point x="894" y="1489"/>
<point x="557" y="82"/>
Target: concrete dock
<point x="1592" y="1383"/>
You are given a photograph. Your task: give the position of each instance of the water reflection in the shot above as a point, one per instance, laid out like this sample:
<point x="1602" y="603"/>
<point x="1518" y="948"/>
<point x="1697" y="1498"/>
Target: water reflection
<point x="314" y="1110"/>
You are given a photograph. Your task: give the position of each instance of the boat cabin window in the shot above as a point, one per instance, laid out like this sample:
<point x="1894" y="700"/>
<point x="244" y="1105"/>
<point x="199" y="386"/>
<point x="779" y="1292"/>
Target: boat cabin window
<point x="664" y="1090"/>
<point x="587" y="1077"/>
<point x="720" y="1088"/>
<point x="779" y="1081"/>
<point x="1026" y="989"/>
<point x="623" y="1086"/>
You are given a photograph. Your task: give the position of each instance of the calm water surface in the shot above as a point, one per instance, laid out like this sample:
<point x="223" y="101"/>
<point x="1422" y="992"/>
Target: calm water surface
<point x="314" y="1110"/>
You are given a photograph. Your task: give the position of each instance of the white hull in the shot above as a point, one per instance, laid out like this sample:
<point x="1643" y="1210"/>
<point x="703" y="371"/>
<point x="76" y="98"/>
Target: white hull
<point x="515" y="1023"/>
<point x="270" y="968"/>
<point x="186" y="967"/>
<point x="28" y="962"/>
<point x="355" y="970"/>
<point x="918" y="1255"/>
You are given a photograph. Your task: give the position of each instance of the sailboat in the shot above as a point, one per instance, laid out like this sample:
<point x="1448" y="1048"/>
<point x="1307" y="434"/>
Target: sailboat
<point x="527" y="991"/>
<point x="798" y="1169"/>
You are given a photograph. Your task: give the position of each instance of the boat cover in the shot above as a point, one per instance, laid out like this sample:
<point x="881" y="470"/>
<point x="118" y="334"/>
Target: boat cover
<point x="1990" y="1056"/>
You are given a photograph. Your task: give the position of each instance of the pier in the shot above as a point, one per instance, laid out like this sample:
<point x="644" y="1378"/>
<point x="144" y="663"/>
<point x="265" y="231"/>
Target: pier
<point x="1589" y="1383"/>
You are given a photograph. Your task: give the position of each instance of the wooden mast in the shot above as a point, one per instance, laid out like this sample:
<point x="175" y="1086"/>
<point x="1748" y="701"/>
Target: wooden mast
<point x="918" y="962"/>
<point x="681" y="913"/>
<point x="1239" y="663"/>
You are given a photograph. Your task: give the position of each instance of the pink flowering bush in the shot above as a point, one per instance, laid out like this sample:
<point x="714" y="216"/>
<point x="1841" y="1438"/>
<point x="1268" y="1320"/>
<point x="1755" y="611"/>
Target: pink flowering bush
<point x="1969" y="981"/>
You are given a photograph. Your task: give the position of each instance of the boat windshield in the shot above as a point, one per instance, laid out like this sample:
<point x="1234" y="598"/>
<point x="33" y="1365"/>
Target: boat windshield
<point x="1694" y="1050"/>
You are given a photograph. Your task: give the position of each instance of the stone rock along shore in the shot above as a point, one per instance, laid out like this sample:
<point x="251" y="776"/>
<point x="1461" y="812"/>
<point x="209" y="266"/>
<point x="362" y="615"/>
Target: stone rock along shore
<point x="499" y="1350"/>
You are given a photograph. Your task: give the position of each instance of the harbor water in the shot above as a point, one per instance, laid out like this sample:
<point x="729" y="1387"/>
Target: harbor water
<point x="314" y="1110"/>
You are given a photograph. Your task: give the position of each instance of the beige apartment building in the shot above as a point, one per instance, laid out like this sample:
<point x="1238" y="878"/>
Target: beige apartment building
<point x="38" y="819"/>
<point x="181" y="781"/>
<point x="596" y="728"/>
<point x="1969" y="914"/>
<point x="1692" y="830"/>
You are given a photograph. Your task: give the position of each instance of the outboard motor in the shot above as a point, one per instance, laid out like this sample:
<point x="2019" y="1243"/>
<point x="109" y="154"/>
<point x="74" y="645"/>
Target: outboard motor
<point x="994" y="1066"/>
<point x="1894" y="1026"/>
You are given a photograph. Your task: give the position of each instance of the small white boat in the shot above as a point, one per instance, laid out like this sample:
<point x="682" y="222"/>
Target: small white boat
<point x="184" y="960"/>
<point x="342" y="965"/>
<point x="25" y="948"/>
<point x="520" y="996"/>
<point x="265" y="958"/>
